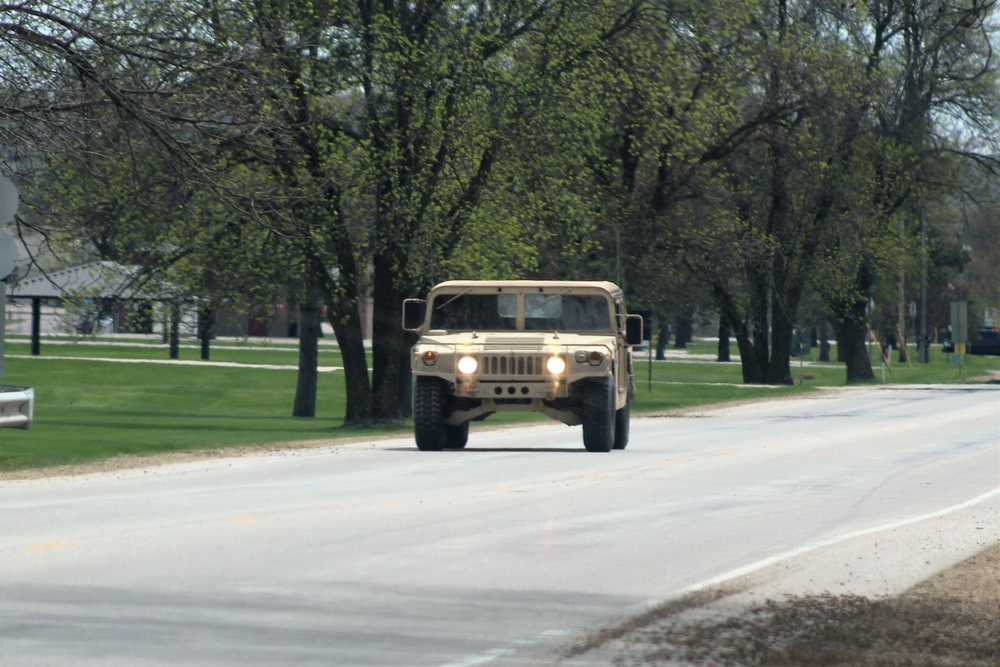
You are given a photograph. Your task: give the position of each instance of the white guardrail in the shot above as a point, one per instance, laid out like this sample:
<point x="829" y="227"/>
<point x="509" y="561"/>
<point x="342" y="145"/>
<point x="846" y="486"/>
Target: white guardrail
<point x="17" y="407"/>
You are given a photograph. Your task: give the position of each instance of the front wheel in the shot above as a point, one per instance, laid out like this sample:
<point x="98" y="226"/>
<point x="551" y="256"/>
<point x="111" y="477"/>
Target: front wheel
<point x="429" y="429"/>
<point x="599" y="415"/>
<point x="622" y="427"/>
<point x="457" y="436"/>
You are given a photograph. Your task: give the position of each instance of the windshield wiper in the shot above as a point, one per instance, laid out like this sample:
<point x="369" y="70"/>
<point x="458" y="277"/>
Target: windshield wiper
<point x="467" y="290"/>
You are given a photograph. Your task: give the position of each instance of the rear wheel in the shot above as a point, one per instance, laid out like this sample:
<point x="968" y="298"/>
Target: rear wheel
<point x="622" y="426"/>
<point x="429" y="429"/>
<point x="599" y="415"/>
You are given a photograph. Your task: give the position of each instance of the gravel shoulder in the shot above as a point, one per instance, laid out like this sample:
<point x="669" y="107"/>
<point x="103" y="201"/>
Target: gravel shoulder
<point x="949" y="620"/>
<point x="925" y="594"/>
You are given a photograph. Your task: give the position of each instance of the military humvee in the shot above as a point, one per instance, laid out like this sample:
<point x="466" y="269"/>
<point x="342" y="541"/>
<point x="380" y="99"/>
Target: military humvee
<point x="557" y="347"/>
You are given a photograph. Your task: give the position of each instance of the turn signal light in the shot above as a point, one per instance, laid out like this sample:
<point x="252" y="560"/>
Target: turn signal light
<point x="594" y="357"/>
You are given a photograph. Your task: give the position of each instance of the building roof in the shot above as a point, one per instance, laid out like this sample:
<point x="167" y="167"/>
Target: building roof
<point x="96" y="279"/>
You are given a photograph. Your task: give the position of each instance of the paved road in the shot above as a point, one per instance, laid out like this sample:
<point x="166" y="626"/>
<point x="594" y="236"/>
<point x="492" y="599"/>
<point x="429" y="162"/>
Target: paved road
<point x="502" y="554"/>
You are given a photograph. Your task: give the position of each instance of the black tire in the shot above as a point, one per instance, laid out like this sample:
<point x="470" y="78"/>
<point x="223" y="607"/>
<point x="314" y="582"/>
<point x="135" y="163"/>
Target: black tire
<point x="599" y="415"/>
<point x="428" y="414"/>
<point x="622" y="426"/>
<point x="457" y="436"/>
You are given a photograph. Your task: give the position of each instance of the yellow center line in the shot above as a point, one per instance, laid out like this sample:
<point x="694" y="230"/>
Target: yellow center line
<point x="47" y="545"/>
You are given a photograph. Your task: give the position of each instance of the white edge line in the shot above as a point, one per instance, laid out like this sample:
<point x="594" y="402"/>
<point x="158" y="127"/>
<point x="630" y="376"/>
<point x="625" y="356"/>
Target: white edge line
<point x="753" y="567"/>
<point x="493" y="654"/>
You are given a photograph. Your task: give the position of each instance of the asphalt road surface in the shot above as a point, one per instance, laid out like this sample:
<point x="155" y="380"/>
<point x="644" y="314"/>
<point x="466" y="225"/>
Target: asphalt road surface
<point x="505" y="553"/>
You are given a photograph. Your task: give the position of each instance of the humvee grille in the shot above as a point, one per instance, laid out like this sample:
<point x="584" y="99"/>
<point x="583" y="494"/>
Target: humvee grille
<point x="511" y="365"/>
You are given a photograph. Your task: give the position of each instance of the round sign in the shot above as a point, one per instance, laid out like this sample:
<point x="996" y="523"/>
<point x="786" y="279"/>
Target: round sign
<point x="8" y="254"/>
<point x="8" y="200"/>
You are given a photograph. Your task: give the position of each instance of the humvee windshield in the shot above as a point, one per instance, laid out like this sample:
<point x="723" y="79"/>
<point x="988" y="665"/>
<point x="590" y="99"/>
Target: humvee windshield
<point x="542" y="312"/>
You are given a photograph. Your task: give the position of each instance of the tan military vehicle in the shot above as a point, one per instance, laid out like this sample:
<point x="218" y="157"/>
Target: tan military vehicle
<point x="557" y="347"/>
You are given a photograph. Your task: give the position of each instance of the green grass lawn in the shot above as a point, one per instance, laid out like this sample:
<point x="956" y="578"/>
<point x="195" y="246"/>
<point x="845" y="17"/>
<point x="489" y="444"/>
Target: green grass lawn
<point x="86" y="410"/>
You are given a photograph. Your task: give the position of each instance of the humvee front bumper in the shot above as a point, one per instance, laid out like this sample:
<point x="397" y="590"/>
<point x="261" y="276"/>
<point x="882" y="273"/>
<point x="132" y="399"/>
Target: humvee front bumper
<point x="470" y="387"/>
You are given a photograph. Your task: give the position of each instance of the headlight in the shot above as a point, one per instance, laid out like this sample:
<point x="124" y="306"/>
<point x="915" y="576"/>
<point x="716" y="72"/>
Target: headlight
<point x="468" y="365"/>
<point x="556" y="365"/>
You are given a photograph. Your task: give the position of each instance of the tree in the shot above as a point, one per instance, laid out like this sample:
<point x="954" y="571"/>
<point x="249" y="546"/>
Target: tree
<point x="461" y="68"/>
<point x="803" y="184"/>
<point x="933" y="59"/>
<point x="743" y="168"/>
<point x="116" y="112"/>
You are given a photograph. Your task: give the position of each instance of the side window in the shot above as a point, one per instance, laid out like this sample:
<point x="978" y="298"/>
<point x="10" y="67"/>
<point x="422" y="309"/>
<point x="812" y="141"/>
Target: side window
<point x="585" y="312"/>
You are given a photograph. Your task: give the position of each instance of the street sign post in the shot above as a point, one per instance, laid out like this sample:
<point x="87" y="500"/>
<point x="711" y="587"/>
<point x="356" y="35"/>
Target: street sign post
<point x="959" y="331"/>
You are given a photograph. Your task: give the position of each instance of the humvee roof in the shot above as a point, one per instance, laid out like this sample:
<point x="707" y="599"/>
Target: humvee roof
<point x="608" y="287"/>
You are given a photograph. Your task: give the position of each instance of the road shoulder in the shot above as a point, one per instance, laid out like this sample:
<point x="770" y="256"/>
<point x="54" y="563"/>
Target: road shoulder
<point x="929" y="588"/>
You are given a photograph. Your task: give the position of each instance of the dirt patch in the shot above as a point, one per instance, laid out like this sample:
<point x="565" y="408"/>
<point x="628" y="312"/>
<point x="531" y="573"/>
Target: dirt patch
<point x="949" y="620"/>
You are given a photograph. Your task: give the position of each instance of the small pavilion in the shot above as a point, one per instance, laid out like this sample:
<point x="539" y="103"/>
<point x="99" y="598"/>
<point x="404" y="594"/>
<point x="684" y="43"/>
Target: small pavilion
<point x="111" y="287"/>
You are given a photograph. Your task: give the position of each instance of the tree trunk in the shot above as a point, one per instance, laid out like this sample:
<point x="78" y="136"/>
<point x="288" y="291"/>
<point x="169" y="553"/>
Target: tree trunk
<point x="390" y="352"/>
<point x="308" y="329"/>
<point x="206" y="328"/>
<point x="344" y="315"/>
<point x="851" y="338"/>
<point x="683" y="331"/>
<point x="779" y="365"/>
<point x="724" y="330"/>
<point x="850" y="324"/>
<point x="753" y="371"/>
<point x="662" y="339"/>
<point x="175" y="325"/>
<point x="824" y="343"/>
<point x="784" y="314"/>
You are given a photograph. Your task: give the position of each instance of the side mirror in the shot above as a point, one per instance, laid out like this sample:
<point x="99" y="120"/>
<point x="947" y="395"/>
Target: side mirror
<point x="413" y="314"/>
<point x="633" y="329"/>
